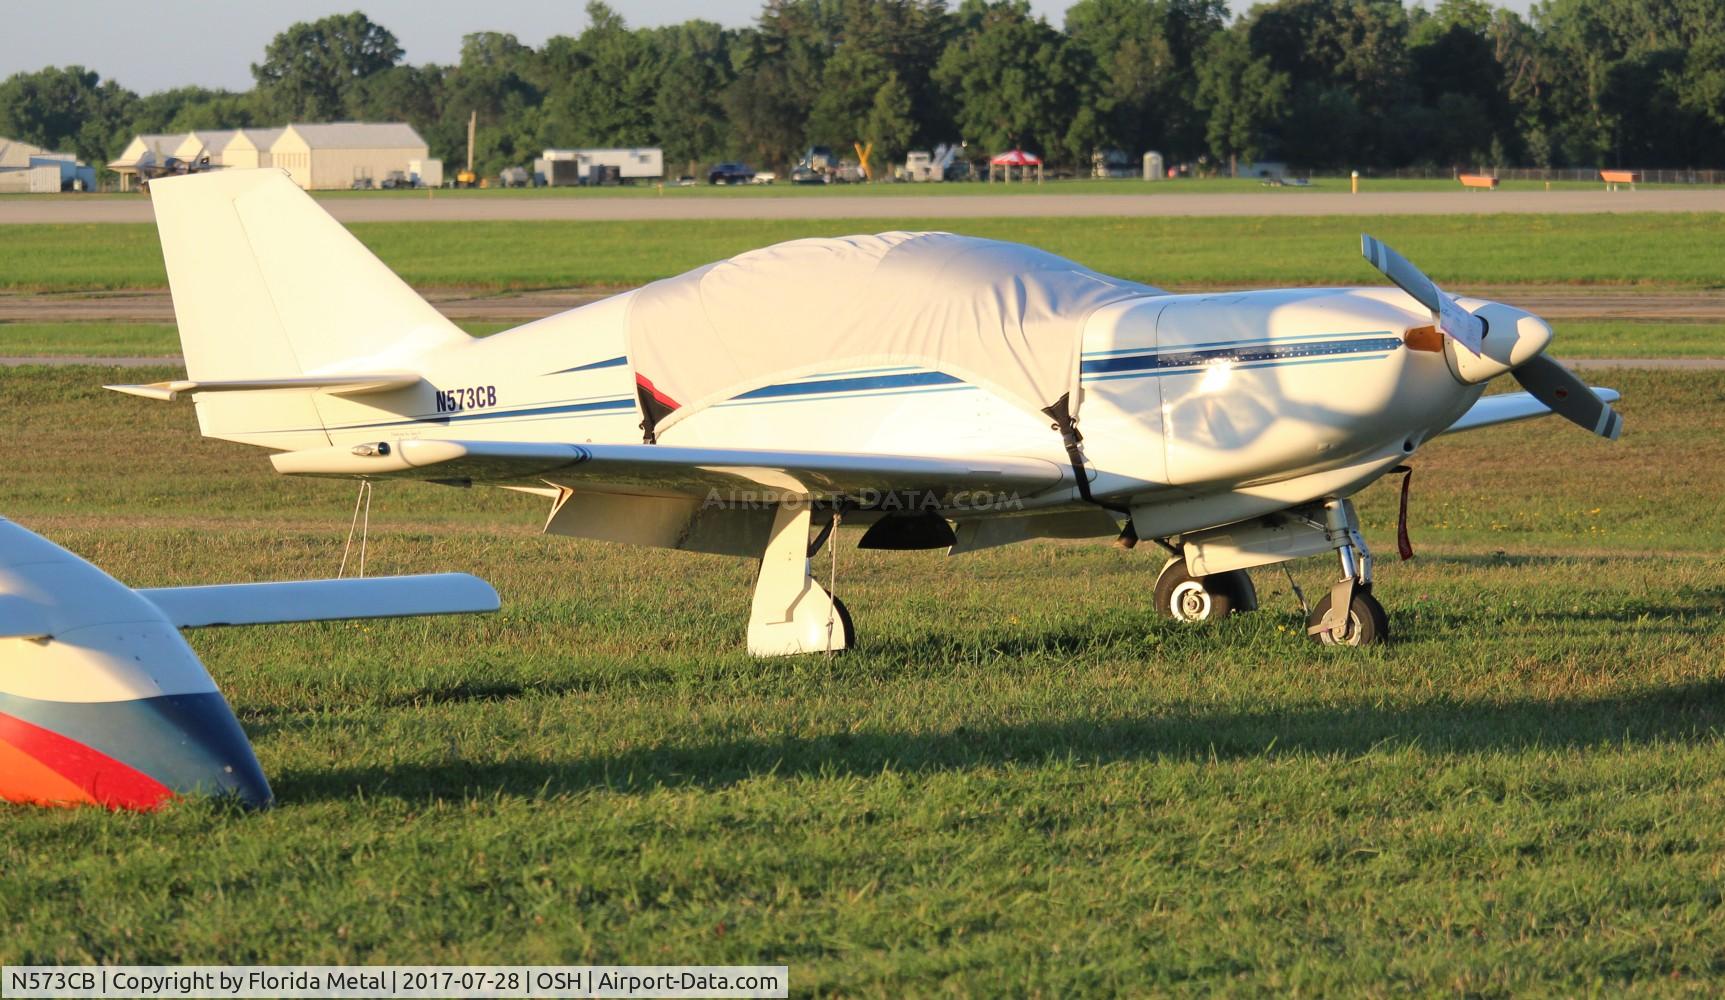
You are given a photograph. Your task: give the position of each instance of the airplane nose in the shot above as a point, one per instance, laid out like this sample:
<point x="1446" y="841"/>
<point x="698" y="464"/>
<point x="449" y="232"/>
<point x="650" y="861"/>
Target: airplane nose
<point x="134" y="754"/>
<point x="1512" y="336"/>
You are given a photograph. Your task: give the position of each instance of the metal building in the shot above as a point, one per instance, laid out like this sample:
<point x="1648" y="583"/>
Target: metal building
<point x="27" y="169"/>
<point x="334" y="155"/>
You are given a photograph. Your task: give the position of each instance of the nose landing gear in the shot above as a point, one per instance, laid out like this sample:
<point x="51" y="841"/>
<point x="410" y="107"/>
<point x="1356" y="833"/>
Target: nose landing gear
<point x="1348" y="615"/>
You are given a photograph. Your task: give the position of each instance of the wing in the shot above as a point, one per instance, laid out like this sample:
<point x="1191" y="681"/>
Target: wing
<point x="1510" y="407"/>
<point x="322" y="600"/>
<point x="672" y="470"/>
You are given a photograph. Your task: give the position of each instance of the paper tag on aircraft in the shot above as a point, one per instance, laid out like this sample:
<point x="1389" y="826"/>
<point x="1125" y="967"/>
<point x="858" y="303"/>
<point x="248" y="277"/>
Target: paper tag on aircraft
<point x="1458" y="323"/>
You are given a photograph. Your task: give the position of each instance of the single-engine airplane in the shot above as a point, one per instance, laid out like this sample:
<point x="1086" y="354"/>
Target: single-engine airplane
<point x="928" y="385"/>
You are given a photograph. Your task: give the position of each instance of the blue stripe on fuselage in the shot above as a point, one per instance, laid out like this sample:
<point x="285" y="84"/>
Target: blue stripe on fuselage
<point x="1160" y="360"/>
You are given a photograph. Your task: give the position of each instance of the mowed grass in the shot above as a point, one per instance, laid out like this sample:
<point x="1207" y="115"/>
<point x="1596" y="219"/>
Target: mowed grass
<point x="1021" y="782"/>
<point x="1575" y="339"/>
<point x="1654" y="249"/>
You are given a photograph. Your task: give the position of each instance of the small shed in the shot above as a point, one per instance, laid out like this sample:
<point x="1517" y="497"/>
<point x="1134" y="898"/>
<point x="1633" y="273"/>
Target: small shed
<point x="1005" y="162"/>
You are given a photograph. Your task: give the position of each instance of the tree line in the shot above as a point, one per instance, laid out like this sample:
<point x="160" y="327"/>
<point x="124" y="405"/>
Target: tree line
<point x="1321" y="84"/>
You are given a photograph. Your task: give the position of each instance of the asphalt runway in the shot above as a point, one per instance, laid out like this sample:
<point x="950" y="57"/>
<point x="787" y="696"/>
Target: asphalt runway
<point x="679" y="204"/>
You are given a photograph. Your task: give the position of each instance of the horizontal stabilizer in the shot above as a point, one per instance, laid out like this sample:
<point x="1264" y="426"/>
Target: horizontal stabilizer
<point x="340" y="385"/>
<point x="1510" y="407"/>
<point x="322" y="600"/>
<point x="662" y="469"/>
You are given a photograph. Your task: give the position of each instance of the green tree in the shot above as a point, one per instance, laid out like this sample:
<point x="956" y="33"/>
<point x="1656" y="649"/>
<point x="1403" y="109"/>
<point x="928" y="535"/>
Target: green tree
<point x="602" y="93"/>
<point x="889" y="126"/>
<point x="1242" y="97"/>
<point x="1142" y="90"/>
<point x="1011" y="77"/>
<point x="688" y="117"/>
<point x="67" y="109"/>
<point x="310" y="69"/>
<point x="781" y="61"/>
<point x="494" y="81"/>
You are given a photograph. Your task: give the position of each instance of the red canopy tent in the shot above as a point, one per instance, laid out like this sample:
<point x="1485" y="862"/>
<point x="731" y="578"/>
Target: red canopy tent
<point x="1015" y="158"/>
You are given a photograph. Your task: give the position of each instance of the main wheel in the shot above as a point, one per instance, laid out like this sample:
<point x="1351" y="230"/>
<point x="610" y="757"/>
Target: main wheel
<point x="1187" y="598"/>
<point x="1368" y="624"/>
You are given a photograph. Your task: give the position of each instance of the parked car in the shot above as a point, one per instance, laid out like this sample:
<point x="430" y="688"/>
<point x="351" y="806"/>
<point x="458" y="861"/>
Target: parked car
<point x="763" y="177"/>
<point x="807" y="175"/>
<point x="731" y="173"/>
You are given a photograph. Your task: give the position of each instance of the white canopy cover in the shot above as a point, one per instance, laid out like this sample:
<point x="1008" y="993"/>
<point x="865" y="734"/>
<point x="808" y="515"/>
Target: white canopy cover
<point x="1003" y="316"/>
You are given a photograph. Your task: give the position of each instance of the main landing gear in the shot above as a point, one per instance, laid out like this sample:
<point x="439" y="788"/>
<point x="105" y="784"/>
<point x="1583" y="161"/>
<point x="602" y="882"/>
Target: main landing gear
<point x="1187" y="598"/>
<point x="791" y="613"/>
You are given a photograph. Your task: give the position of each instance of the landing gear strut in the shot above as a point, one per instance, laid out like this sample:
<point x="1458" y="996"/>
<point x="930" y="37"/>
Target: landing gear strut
<point x="1187" y="598"/>
<point x="791" y="613"/>
<point x="1348" y="615"/>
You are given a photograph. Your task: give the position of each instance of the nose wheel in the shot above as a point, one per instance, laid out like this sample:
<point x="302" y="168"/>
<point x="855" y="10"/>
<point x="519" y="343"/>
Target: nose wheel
<point x="1348" y="615"/>
<point x="1187" y="598"/>
<point x="1367" y="623"/>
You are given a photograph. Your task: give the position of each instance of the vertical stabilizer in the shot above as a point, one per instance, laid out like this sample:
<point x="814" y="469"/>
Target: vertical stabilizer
<point x="266" y="284"/>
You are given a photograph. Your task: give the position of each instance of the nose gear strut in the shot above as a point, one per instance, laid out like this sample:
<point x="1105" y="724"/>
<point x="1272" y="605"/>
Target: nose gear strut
<point x="1349" y="615"/>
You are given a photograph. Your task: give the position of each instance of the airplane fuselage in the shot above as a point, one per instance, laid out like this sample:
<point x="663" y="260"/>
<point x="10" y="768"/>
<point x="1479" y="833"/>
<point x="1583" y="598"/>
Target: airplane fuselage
<point x="1207" y="408"/>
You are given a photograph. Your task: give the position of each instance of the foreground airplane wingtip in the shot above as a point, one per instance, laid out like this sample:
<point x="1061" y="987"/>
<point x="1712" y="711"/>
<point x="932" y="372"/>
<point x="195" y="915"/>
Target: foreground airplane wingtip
<point x="135" y="755"/>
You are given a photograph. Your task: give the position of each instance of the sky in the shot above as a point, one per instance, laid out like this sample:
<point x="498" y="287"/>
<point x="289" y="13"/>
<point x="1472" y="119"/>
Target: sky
<point x="150" y="45"/>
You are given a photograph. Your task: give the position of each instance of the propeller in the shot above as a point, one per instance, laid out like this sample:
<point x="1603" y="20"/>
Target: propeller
<point x="1457" y="323"/>
<point x="1568" y="396"/>
<point x="1541" y="375"/>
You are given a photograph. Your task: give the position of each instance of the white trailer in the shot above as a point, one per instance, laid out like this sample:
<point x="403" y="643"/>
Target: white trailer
<point x="637" y="164"/>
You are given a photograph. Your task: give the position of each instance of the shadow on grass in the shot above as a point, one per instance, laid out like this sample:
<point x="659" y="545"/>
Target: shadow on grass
<point x="1691" y="713"/>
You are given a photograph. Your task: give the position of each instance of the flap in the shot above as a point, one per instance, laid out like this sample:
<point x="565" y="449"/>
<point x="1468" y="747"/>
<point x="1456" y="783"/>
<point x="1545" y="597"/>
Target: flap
<point x="740" y="475"/>
<point x="322" y="600"/>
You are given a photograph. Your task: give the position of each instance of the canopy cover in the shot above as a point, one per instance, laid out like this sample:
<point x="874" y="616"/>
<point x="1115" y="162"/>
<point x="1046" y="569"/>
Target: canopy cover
<point x="1003" y="316"/>
<point x="1016" y="158"/>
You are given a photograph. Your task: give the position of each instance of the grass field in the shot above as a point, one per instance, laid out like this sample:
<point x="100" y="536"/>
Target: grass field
<point x="1654" y="249"/>
<point x="1021" y="782"/>
<point x="1575" y="339"/>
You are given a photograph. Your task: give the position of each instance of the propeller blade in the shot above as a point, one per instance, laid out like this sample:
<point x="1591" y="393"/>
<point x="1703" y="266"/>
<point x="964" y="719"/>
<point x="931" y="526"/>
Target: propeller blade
<point x="1460" y="325"/>
<point x="1568" y="396"/>
<point x="1401" y="271"/>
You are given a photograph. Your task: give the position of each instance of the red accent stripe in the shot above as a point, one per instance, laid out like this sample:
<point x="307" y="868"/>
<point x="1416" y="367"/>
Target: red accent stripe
<point x="104" y="779"/>
<point x="647" y="384"/>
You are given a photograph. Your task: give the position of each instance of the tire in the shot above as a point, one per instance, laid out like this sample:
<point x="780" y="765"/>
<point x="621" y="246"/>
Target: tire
<point x="1187" y="598"/>
<point x="1368" y="622"/>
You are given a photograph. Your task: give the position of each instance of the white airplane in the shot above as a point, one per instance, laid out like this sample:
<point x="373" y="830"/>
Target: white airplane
<point x="103" y="703"/>
<point x="927" y="385"/>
